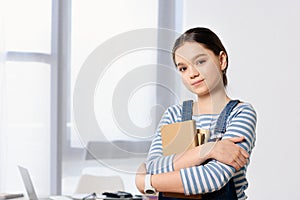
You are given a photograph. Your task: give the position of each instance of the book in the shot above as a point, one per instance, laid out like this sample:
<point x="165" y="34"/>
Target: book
<point x="179" y="137"/>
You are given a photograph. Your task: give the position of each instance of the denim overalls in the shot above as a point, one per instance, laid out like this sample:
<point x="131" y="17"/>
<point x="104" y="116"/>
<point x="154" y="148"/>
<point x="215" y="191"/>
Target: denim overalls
<point x="227" y="192"/>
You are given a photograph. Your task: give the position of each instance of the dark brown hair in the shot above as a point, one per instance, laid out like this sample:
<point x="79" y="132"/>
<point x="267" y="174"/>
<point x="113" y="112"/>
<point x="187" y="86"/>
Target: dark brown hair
<point x="205" y="37"/>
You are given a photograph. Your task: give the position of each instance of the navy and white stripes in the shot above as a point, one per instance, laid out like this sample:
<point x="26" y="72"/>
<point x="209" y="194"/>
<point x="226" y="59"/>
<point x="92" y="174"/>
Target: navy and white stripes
<point x="213" y="175"/>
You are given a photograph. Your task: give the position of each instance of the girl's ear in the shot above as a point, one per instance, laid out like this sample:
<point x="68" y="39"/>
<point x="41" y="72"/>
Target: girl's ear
<point x="223" y="60"/>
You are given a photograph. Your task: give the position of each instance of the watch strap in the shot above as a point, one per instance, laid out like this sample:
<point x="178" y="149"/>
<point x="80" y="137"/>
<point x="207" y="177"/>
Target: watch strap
<point x="148" y="187"/>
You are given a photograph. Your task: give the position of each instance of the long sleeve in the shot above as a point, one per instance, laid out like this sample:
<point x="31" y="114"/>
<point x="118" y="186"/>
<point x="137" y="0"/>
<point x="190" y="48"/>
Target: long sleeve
<point x="156" y="162"/>
<point x="214" y="175"/>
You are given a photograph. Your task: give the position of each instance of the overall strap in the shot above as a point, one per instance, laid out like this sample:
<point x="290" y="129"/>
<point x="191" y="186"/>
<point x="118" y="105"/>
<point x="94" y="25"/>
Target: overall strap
<point x="221" y="122"/>
<point x="228" y="192"/>
<point x="187" y="110"/>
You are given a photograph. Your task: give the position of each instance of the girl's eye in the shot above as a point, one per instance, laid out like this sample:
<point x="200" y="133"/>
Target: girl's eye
<point x="182" y="69"/>
<point x="200" y="62"/>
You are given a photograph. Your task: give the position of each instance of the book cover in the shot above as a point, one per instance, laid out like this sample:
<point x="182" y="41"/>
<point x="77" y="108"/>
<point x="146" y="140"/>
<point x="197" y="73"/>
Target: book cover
<point x="179" y="137"/>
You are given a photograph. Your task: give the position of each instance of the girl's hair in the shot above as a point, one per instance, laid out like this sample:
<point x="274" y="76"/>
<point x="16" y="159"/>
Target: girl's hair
<point x="205" y="37"/>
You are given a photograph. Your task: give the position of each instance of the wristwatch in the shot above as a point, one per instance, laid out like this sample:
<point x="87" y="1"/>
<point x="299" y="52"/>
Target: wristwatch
<point x="148" y="187"/>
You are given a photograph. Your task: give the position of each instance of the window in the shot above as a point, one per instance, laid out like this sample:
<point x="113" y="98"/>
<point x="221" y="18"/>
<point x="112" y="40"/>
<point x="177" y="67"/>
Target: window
<point x="25" y="93"/>
<point x="93" y="24"/>
<point x="44" y="46"/>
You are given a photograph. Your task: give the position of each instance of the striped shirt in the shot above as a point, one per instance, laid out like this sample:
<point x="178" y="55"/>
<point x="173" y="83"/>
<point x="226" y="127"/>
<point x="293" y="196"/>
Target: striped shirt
<point x="213" y="175"/>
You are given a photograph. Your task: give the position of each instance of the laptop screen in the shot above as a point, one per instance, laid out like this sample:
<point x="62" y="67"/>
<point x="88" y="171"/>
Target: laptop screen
<point x="28" y="183"/>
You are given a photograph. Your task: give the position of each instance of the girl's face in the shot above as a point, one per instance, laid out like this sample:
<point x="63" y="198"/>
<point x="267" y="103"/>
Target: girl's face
<point x="200" y="68"/>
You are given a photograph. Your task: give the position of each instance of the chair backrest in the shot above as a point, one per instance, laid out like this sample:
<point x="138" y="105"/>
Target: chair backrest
<point x="116" y="149"/>
<point x="99" y="184"/>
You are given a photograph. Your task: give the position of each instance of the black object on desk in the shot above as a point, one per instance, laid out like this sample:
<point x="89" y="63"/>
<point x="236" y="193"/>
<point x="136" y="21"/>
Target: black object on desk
<point x="118" y="194"/>
<point x="10" y="196"/>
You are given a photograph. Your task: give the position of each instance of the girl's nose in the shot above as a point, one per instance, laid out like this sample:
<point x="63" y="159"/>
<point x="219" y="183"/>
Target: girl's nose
<point x="193" y="72"/>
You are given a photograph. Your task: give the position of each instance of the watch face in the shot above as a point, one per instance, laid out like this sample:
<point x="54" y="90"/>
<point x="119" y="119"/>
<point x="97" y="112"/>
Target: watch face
<point x="150" y="191"/>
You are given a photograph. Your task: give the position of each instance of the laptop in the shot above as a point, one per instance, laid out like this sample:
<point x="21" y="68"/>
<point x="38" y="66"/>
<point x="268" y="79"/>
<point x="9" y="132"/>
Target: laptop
<point x="29" y="185"/>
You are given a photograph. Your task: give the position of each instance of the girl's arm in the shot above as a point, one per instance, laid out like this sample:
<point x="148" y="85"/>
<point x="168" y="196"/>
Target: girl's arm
<point x="213" y="175"/>
<point x="167" y="182"/>
<point x="172" y="181"/>
<point x="225" y="151"/>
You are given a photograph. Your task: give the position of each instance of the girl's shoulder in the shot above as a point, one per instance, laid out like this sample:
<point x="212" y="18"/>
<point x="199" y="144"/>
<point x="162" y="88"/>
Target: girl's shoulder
<point x="244" y="106"/>
<point x="173" y="112"/>
<point x="244" y="109"/>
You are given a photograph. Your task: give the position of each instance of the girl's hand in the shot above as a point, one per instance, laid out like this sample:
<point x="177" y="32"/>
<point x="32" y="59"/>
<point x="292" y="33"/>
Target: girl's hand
<point x="140" y="177"/>
<point x="227" y="152"/>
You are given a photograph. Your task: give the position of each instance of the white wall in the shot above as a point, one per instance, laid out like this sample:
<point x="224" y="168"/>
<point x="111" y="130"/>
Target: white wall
<point x="262" y="39"/>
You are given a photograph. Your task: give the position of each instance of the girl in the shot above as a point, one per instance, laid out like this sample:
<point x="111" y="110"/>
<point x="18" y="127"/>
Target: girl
<point x="202" y="61"/>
